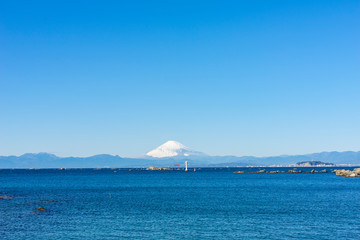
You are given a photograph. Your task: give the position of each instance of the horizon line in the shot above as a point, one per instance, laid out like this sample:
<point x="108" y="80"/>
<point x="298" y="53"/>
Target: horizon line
<point x="145" y="156"/>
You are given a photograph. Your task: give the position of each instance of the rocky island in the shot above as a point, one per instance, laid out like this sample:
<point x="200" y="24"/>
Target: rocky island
<point x="348" y="173"/>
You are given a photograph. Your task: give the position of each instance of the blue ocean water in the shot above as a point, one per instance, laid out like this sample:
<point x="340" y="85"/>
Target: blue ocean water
<point x="206" y="204"/>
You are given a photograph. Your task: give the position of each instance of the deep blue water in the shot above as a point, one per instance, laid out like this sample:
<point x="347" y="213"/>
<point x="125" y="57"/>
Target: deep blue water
<point x="207" y="204"/>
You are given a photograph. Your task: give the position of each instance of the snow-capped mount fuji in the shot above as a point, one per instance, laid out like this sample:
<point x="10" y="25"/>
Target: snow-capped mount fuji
<point x="173" y="149"/>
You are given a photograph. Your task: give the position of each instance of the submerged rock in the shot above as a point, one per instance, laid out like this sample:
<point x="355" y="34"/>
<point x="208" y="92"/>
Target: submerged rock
<point x="239" y="172"/>
<point x="41" y="209"/>
<point x="5" y="197"/>
<point x="47" y="201"/>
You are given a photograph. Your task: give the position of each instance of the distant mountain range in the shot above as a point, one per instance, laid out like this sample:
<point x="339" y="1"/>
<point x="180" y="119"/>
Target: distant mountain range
<point x="169" y="154"/>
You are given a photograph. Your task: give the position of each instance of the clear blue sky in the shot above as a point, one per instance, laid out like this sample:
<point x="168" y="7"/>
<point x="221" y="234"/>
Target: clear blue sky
<point x="223" y="77"/>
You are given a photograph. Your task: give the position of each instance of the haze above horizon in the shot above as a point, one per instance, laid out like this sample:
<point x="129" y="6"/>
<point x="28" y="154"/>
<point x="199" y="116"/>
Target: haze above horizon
<point x="258" y="78"/>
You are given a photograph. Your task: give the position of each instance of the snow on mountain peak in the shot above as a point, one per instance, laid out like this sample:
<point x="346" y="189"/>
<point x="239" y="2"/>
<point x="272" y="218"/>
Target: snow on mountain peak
<point x="173" y="145"/>
<point x="172" y="149"/>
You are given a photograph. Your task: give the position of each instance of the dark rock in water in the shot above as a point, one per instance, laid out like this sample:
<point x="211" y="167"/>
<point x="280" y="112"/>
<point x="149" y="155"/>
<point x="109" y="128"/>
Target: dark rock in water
<point x="294" y="171"/>
<point x="262" y="171"/>
<point x="323" y="171"/>
<point x="313" y="171"/>
<point x="348" y="173"/>
<point x="41" y="209"/>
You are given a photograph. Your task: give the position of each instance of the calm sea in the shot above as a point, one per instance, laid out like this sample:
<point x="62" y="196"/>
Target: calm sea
<point x="206" y="204"/>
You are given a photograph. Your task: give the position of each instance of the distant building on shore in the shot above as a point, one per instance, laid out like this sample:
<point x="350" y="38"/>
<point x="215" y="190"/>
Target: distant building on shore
<point x="313" y="164"/>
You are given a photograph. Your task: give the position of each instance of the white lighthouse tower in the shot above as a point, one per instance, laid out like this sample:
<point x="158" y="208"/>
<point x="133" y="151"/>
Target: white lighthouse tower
<point x="186" y="165"/>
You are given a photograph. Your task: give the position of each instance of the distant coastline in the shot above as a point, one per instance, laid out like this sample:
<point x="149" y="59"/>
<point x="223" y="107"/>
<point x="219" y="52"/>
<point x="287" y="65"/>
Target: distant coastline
<point x="46" y="160"/>
<point x="313" y="164"/>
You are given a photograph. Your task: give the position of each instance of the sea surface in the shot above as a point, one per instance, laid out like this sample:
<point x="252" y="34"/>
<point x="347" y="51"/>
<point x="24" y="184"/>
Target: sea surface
<point x="206" y="204"/>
